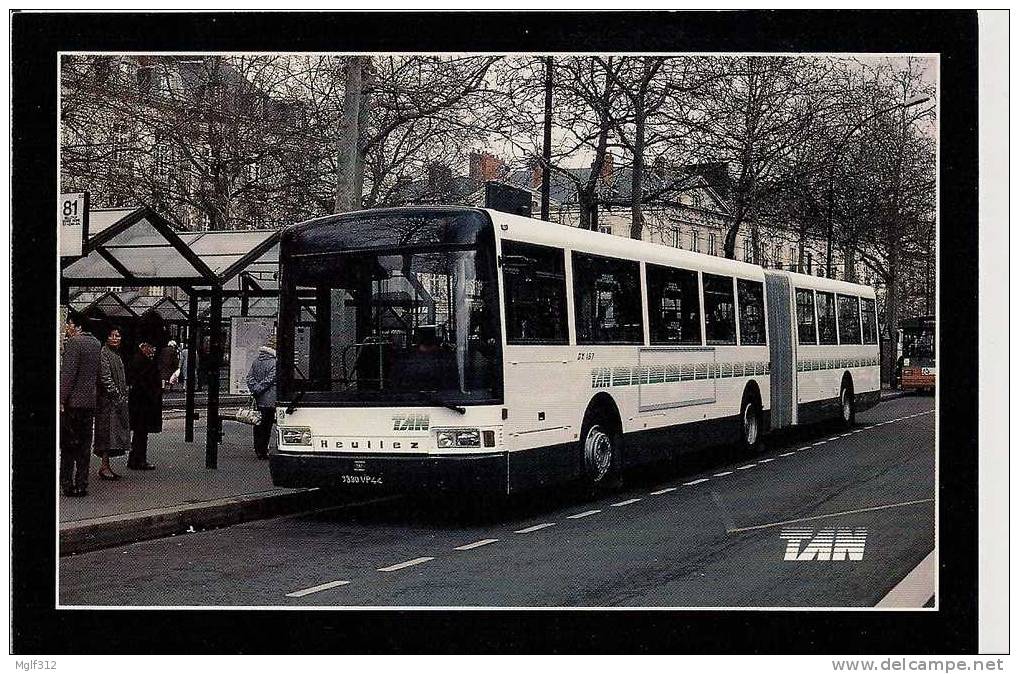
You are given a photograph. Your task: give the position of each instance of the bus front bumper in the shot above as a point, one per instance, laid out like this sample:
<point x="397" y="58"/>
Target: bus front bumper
<point x="369" y="473"/>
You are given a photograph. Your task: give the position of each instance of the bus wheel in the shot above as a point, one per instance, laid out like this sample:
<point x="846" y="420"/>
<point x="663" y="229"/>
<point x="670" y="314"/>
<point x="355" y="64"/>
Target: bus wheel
<point x="750" y="426"/>
<point x="601" y="454"/>
<point x="847" y="405"/>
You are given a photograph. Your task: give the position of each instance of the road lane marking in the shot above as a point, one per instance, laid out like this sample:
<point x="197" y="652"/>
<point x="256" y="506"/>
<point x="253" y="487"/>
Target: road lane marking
<point x="819" y="442"/>
<point x="787" y="454"/>
<point x="586" y="513"/>
<point x="536" y="527"/>
<point x="625" y="503"/>
<point x="663" y="491"/>
<point x="747" y="467"/>
<point x="693" y="482"/>
<point x="820" y="517"/>
<point x="318" y="588"/>
<point x="835" y="437"/>
<point x="404" y="565"/>
<point x="722" y="474"/>
<point x="765" y="460"/>
<point x="859" y="430"/>
<point x="915" y="589"/>
<point x="844" y="435"/>
<point x="803" y="448"/>
<point x="477" y="544"/>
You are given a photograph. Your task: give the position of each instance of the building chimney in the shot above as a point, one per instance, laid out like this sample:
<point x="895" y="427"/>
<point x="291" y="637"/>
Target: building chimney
<point x="536" y="174"/>
<point x="606" y="169"/>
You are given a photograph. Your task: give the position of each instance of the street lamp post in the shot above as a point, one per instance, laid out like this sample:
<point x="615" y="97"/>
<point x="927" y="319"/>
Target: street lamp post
<point x="836" y="153"/>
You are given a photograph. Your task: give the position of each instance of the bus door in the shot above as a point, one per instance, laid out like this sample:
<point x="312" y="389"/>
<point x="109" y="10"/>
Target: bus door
<point x="780" y="347"/>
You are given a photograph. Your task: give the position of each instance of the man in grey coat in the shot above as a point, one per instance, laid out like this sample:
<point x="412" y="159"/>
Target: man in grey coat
<point x="79" y="374"/>
<point x="261" y="381"/>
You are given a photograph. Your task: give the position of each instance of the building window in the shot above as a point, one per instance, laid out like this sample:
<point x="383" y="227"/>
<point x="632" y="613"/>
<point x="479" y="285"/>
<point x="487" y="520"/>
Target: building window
<point x="792" y="258"/>
<point x="695" y="240"/>
<point x="674" y="237"/>
<point x="748" y="251"/>
<point x="719" y="310"/>
<point x="605" y="229"/>
<point x="805" y="316"/>
<point x="751" y="311"/>
<point x="608" y="302"/>
<point x="810" y="262"/>
<point x="535" y="284"/>
<point x="712" y="244"/>
<point x="674" y="307"/>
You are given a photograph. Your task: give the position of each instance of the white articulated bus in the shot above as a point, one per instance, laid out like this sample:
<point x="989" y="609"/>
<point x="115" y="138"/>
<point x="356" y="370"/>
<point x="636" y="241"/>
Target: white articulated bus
<point x="462" y="348"/>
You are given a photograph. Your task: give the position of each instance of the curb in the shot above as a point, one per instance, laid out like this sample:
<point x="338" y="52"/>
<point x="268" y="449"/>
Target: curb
<point x="891" y="395"/>
<point x="115" y="530"/>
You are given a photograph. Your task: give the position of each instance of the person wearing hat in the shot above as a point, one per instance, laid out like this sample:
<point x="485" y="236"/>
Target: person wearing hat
<point x="261" y="381"/>
<point x="145" y="404"/>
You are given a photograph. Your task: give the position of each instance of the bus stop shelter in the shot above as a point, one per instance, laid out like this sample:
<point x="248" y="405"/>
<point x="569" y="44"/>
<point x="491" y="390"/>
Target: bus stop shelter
<point x="137" y="247"/>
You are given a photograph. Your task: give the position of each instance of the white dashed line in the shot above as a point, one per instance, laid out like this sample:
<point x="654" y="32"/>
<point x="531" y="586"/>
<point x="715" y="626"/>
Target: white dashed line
<point x="536" y="527"/>
<point x="845" y="435"/>
<point x="860" y="430"/>
<point x="723" y="474"/>
<point x="819" y="442"/>
<point x="477" y="544"/>
<point x="835" y="437"/>
<point x="765" y="460"/>
<point x="787" y="454"/>
<point x="586" y="513"/>
<point x="404" y="565"/>
<point x="687" y="484"/>
<point x="747" y="467"/>
<point x="625" y="503"/>
<point x="318" y="588"/>
<point x="663" y="491"/>
<point x="803" y="448"/>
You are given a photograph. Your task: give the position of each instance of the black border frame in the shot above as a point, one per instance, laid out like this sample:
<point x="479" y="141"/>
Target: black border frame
<point x="38" y="628"/>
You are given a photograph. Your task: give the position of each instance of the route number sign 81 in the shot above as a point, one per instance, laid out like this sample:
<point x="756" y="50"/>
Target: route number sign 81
<point x="72" y="223"/>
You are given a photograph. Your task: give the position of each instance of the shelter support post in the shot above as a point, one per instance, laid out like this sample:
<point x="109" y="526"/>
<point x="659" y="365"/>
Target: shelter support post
<point x="191" y="375"/>
<point x="212" y="421"/>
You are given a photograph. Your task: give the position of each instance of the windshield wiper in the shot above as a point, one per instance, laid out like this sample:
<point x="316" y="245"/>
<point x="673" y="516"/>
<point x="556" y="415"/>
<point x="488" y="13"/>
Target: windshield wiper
<point x="433" y="398"/>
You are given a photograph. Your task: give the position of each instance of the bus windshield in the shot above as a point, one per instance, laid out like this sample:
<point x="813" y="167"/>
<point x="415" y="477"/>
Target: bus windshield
<point x="918" y="343"/>
<point x="393" y="327"/>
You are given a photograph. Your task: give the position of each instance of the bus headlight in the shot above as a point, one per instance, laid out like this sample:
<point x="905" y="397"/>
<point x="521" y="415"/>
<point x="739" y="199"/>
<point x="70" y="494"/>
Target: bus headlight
<point x="295" y="435"/>
<point x="458" y="437"/>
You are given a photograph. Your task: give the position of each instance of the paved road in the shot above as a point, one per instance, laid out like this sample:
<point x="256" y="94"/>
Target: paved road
<point x="708" y="533"/>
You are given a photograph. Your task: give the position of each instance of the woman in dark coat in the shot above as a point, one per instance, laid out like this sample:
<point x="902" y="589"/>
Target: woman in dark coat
<point x="145" y="404"/>
<point x="113" y="433"/>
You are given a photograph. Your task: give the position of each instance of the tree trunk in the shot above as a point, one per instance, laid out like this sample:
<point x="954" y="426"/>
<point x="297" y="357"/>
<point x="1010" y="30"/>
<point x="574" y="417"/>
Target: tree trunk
<point x="349" y="159"/>
<point x="546" y="150"/>
<point x="637" y="178"/>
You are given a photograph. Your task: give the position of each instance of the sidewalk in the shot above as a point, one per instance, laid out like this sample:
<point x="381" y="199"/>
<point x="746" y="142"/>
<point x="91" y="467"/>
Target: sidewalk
<point x="181" y="493"/>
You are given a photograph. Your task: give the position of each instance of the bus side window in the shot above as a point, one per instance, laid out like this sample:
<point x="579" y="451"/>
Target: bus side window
<point x="608" y="308"/>
<point x="534" y="279"/>
<point x="805" y="326"/>
<point x="674" y="307"/>
<point x="826" y="318"/>
<point x="849" y="319"/>
<point x="751" y="312"/>
<point x="719" y="310"/>
<point x="869" y="314"/>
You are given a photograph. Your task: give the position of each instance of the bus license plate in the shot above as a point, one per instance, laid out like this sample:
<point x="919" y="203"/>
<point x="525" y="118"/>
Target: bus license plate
<point x="361" y="479"/>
